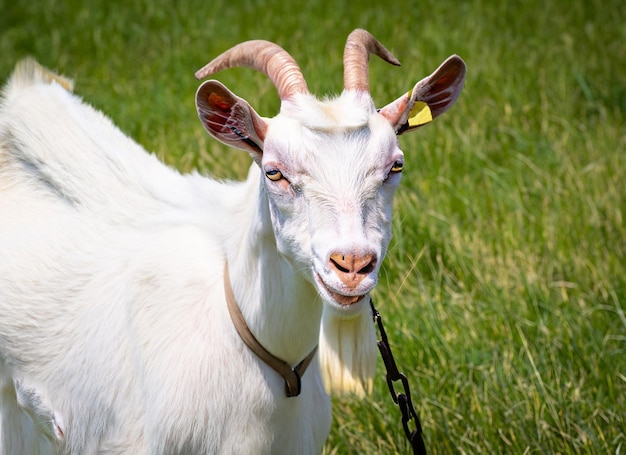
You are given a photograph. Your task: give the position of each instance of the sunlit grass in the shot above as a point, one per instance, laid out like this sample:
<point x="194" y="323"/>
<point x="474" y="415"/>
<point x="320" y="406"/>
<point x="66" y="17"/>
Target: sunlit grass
<point x="503" y="291"/>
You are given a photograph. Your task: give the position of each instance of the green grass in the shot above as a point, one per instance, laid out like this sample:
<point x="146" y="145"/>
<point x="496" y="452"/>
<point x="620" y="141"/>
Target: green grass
<point x="504" y="290"/>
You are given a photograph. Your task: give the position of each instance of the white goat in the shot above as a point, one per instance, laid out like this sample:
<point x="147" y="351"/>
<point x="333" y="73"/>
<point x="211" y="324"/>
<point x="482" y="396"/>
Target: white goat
<point x="120" y="279"/>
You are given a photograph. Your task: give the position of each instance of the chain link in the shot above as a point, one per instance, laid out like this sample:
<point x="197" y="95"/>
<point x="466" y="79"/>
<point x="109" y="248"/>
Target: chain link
<point x="402" y="399"/>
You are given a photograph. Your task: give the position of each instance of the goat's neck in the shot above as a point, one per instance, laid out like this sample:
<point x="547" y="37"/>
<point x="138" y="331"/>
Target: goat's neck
<point x="280" y="306"/>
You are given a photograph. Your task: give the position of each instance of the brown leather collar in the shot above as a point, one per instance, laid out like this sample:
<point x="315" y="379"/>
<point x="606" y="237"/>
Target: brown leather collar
<point x="290" y="375"/>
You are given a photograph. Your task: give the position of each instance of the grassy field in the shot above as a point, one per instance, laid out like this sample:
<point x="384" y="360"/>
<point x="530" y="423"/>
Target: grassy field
<point x="504" y="291"/>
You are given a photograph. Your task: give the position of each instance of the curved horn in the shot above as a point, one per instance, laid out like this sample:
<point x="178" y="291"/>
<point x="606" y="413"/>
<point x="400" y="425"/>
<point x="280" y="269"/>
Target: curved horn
<point x="264" y="56"/>
<point x="359" y="46"/>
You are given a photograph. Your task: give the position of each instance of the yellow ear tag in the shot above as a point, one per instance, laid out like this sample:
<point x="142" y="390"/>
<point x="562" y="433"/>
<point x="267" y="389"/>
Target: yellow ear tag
<point x="420" y="114"/>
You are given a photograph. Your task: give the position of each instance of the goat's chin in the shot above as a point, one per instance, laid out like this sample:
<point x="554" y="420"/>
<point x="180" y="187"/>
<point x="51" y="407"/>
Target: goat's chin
<point x="347" y="311"/>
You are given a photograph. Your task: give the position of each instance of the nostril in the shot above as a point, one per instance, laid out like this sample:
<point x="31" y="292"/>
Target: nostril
<point x="368" y="268"/>
<point x="353" y="264"/>
<point x="335" y="260"/>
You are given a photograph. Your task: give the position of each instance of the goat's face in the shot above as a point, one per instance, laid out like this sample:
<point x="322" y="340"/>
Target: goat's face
<point x="330" y="173"/>
<point x="330" y="168"/>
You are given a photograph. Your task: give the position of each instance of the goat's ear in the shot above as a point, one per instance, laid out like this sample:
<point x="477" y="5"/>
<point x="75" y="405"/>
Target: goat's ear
<point x="430" y="97"/>
<point x="230" y="119"/>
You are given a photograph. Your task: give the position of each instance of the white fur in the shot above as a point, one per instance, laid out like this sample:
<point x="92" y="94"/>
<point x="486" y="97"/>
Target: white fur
<point x="114" y="334"/>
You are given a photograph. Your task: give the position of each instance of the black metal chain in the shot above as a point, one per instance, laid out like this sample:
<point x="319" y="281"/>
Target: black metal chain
<point x="402" y="399"/>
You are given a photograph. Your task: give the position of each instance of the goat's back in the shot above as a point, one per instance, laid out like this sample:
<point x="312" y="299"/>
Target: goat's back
<point x="56" y="148"/>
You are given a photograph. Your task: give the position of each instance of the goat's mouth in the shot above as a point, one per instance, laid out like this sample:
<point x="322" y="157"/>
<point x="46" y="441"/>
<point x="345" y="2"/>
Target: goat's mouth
<point x="343" y="300"/>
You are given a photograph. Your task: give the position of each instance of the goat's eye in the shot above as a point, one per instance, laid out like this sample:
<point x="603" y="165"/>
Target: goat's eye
<point x="274" y="175"/>
<point x="397" y="166"/>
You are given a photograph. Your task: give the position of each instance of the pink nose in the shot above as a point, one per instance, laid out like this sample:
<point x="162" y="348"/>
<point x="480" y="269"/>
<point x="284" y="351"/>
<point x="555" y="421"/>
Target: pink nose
<point x="351" y="269"/>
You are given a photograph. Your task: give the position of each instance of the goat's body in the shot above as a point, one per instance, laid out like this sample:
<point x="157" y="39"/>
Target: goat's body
<point x="113" y="323"/>
<point x="115" y="334"/>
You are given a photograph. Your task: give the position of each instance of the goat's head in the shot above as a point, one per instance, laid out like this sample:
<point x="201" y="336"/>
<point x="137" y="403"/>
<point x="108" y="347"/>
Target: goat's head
<point x="331" y="167"/>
